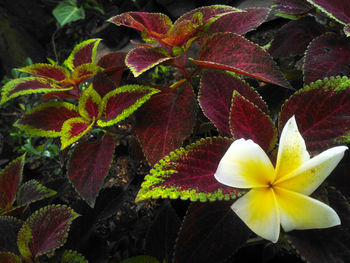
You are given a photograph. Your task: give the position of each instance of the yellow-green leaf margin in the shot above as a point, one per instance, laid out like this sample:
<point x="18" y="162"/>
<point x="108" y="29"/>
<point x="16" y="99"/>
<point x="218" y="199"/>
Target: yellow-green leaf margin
<point x="95" y="97"/>
<point x="66" y="138"/>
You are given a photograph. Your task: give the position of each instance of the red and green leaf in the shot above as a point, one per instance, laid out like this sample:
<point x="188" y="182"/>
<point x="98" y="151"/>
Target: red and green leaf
<point x="47" y="119"/>
<point x="294" y="37"/>
<point x="88" y="166"/>
<point x="47" y="71"/>
<point x="32" y="191"/>
<point x="229" y="51"/>
<point x="73" y="129"/>
<point x="122" y="102"/>
<point x="45" y="231"/>
<point x="9" y="228"/>
<point x="173" y="115"/>
<point x="8" y="257"/>
<point x="215" y="95"/>
<point x="189" y="174"/>
<point x="322" y="112"/>
<point x="292" y="7"/>
<point x="83" y="53"/>
<point x="90" y="104"/>
<point x="27" y="85"/>
<point x="212" y="227"/>
<point x="83" y="72"/>
<point x="10" y="179"/>
<point x="327" y="55"/>
<point x="140" y="60"/>
<point x="249" y="122"/>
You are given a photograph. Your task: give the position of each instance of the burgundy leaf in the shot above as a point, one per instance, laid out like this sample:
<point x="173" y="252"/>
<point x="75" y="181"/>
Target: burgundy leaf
<point x="328" y="55"/>
<point x="322" y="113"/>
<point x="215" y="96"/>
<point x="83" y="53"/>
<point x="9" y="227"/>
<point x="229" y="51"/>
<point x="165" y="121"/>
<point x="249" y="122"/>
<point x="47" y="71"/>
<point x="210" y="227"/>
<point x="10" y="179"/>
<point x="293" y="38"/>
<point x="292" y="7"/>
<point x="113" y="65"/>
<point x="141" y="59"/>
<point x="338" y="9"/>
<point x="88" y="166"/>
<point x="32" y="191"/>
<point x="103" y="84"/>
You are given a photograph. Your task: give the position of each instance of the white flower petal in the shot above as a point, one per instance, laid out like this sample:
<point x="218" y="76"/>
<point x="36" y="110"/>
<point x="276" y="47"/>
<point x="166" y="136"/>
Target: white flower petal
<point x="298" y="211"/>
<point x="292" y="150"/>
<point x="312" y="173"/>
<point x="245" y="165"/>
<point x="258" y="210"/>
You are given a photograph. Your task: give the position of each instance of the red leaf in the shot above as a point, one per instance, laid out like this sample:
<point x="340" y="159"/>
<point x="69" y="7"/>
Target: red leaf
<point x="90" y="104"/>
<point x="322" y="113"/>
<point x="73" y="129"/>
<point x="229" y="51"/>
<point x="165" y="121"/>
<point x="338" y="9"/>
<point x="141" y="59"/>
<point x="249" y="122"/>
<point x="83" y="53"/>
<point x="210" y="227"/>
<point x="292" y="7"/>
<point x="88" y="166"/>
<point x="293" y="38"/>
<point x="102" y="84"/>
<point x="240" y="22"/>
<point x="10" y="178"/>
<point x="328" y="55"/>
<point x="113" y="64"/>
<point x="47" y="71"/>
<point x="215" y="96"/>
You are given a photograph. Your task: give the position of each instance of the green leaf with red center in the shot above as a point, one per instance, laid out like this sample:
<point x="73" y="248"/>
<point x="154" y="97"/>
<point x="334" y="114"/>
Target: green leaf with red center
<point x="28" y="85"/>
<point x="294" y="37"/>
<point x="9" y="257"/>
<point x="47" y="71"/>
<point x="163" y="123"/>
<point x="292" y="7"/>
<point x="229" y="51"/>
<point x="89" y="165"/>
<point x="113" y="65"/>
<point x="212" y="227"/>
<point x="189" y="174"/>
<point x="9" y="227"/>
<point x="140" y="60"/>
<point x="73" y="129"/>
<point x="124" y="101"/>
<point x="32" y="191"/>
<point x="47" y="119"/>
<point x="90" y="104"/>
<point x="153" y="25"/>
<point x="10" y="179"/>
<point x="45" y="231"/>
<point x="249" y="122"/>
<point x="322" y="112"/>
<point x="215" y="95"/>
<point x="83" y="53"/>
<point x="327" y="55"/>
<point x="339" y="10"/>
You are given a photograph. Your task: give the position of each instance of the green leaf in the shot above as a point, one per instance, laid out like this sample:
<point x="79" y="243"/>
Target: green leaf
<point x="70" y="256"/>
<point x="67" y="11"/>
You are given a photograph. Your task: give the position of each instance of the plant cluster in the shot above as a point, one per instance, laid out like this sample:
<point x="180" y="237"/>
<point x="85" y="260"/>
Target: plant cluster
<point x="214" y="79"/>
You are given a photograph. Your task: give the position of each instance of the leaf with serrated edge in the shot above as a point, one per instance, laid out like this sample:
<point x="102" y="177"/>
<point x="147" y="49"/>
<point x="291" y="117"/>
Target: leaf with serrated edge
<point x="26" y="86"/>
<point x="9" y="227"/>
<point x="249" y="122"/>
<point x="83" y="53"/>
<point x="70" y="256"/>
<point x="327" y="55"/>
<point x="90" y="104"/>
<point x="8" y="257"/>
<point x="140" y="60"/>
<point x="122" y="102"/>
<point x="215" y="94"/>
<point x="88" y="166"/>
<point x="229" y="51"/>
<point x="10" y="179"/>
<point x="45" y="230"/>
<point x="47" y="119"/>
<point x="189" y="174"/>
<point x="47" y="71"/>
<point x="73" y="129"/>
<point x="173" y="114"/>
<point x="32" y="191"/>
<point x="322" y="111"/>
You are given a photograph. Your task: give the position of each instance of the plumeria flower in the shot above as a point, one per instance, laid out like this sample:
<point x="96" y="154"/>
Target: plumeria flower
<point x="279" y="195"/>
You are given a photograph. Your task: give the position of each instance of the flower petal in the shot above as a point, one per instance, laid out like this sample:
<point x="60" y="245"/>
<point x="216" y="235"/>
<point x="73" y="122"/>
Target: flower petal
<point x="292" y="150"/>
<point x="298" y="211"/>
<point x="245" y="165"/>
<point x="313" y="172"/>
<point x="258" y="210"/>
